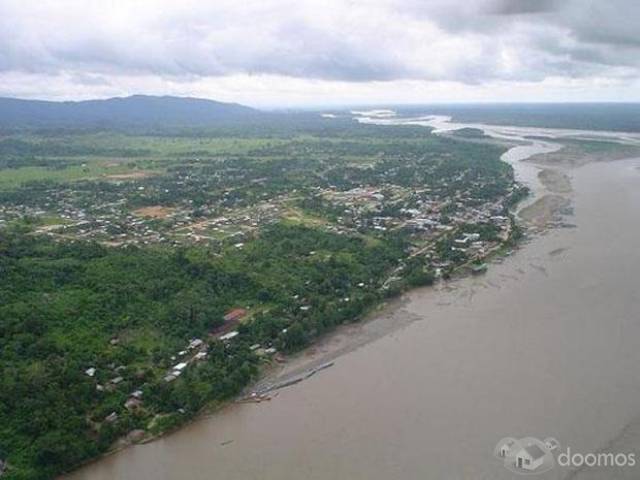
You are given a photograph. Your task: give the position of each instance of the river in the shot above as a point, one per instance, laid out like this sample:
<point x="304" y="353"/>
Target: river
<point x="545" y="344"/>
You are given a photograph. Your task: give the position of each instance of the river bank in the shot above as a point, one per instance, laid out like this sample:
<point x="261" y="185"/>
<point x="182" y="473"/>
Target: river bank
<point x="462" y="330"/>
<point x="300" y="366"/>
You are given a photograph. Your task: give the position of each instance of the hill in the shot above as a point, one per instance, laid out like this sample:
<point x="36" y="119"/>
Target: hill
<point x="134" y="111"/>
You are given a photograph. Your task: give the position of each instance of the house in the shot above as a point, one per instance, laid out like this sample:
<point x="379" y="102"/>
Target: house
<point x="178" y="368"/>
<point x="228" y="336"/>
<point x="90" y="371"/>
<point x="200" y="356"/>
<point x="133" y="403"/>
<point x="195" y="343"/>
<point x="137" y="394"/>
<point x="234" y="315"/>
<point x="530" y="457"/>
<point x="507" y="447"/>
<point x="551" y="444"/>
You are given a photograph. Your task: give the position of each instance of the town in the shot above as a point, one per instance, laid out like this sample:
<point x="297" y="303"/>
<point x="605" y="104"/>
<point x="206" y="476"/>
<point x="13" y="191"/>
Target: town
<point x="210" y="201"/>
<point x="195" y="271"/>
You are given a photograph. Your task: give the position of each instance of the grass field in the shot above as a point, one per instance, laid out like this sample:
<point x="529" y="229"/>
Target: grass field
<point x="93" y="169"/>
<point x="111" y="156"/>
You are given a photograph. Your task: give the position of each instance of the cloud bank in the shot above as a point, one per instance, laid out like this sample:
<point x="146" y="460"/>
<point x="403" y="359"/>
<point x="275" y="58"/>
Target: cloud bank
<point x="305" y="48"/>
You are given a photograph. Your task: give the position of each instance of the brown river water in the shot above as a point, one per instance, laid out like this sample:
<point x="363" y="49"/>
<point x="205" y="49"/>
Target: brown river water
<point x="545" y="344"/>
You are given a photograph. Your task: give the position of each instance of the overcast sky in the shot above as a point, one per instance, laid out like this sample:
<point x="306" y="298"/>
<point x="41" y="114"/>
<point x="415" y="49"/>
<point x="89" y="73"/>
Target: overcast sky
<point x="287" y="53"/>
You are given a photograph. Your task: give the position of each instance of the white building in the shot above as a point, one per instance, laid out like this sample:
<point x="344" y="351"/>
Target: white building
<point x="506" y="448"/>
<point x="200" y="356"/>
<point x="530" y="457"/>
<point x="177" y="369"/>
<point x="228" y="336"/>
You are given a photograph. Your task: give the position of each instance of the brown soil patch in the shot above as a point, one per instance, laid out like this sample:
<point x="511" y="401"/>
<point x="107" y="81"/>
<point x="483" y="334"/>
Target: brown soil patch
<point x="129" y="176"/>
<point x="154" y="212"/>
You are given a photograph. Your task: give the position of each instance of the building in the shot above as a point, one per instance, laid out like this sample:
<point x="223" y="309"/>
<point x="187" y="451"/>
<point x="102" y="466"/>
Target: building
<point x="137" y="394"/>
<point x="505" y="449"/>
<point x="178" y="368"/>
<point x="132" y="403"/>
<point x="228" y="336"/>
<point x="530" y="457"/>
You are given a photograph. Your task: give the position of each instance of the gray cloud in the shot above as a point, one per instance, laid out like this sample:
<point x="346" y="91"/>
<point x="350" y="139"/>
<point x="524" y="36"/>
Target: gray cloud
<point x="519" y="7"/>
<point x="469" y="41"/>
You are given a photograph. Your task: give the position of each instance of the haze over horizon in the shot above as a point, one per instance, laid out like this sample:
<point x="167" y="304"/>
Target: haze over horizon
<point x="284" y="53"/>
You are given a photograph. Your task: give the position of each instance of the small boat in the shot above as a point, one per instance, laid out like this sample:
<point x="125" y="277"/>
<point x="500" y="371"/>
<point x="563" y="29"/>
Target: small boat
<point x="479" y="268"/>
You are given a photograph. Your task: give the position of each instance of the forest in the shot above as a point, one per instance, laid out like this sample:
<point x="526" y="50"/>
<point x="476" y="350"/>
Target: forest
<point x="61" y="304"/>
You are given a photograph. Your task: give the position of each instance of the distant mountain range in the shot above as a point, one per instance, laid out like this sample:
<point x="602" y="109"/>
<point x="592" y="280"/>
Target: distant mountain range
<point x="173" y="114"/>
<point x="134" y="111"/>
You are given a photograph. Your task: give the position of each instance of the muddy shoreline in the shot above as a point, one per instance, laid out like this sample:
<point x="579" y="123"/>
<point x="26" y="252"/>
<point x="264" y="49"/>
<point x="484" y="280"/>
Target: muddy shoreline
<point x="393" y="315"/>
<point x="384" y="318"/>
